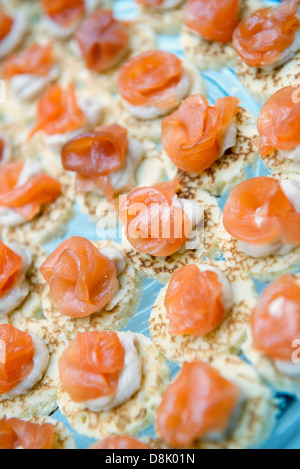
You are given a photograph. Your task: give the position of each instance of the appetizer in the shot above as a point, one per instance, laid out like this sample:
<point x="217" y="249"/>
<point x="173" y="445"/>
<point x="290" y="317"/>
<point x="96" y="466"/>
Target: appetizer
<point x="260" y="229"/>
<point x="268" y="43"/>
<point x="278" y="127"/>
<point x="150" y="86"/>
<point x="210" y="407"/>
<point x="208" y="29"/>
<point x="273" y="341"/>
<point x="204" y="311"/>
<point x="90" y="285"/>
<point x="109" y="162"/>
<point x="164" y="230"/>
<point x="37" y="433"/>
<point x="29" y="199"/>
<point x="209" y="146"/>
<point x="110" y="383"/>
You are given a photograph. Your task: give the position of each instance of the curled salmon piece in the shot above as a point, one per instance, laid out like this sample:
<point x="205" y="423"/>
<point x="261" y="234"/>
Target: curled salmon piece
<point x="120" y="442"/>
<point x="151" y="79"/>
<point x="193" y="135"/>
<point x="26" y="199"/>
<point x="35" y="60"/>
<point x="64" y="12"/>
<point x="94" y="155"/>
<point x="10" y="265"/>
<point x="275" y="320"/>
<point x="90" y="366"/>
<point x="279" y="120"/>
<point x="198" y="402"/>
<point x="103" y="40"/>
<point x="153" y="225"/>
<point x="261" y="38"/>
<point x="16" y="434"/>
<point x="81" y="280"/>
<point x="58" y="112"/>
<point x="258" y="212"/>
<point x="215" y="20"/>
<point x="194" y="301"/>
<point x="16" y="356"/>
<point x="6" y="24"/>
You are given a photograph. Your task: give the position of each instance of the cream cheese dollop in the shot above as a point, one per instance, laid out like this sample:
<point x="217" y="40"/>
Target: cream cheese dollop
<point x="40" y="363"/>
<point x="27" y="87"/>
<point x="20" y="290"/>
<point x="129" y="379"/>
<point x="227" y="293"/>
<point x="196" y="215"/>
<point x="152" y="112"/>
<point x="291" y="188"/>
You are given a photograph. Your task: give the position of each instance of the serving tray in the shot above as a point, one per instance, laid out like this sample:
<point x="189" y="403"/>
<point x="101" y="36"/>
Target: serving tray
<point x="286" y="434"/>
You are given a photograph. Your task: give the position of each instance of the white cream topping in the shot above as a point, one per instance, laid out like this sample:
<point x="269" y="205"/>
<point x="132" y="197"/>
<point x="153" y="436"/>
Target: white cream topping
<point x="27" y="87"/>
<point x="293" y="154"/>
<point x="40" y="363"/>
<point x="117" y="256"/>
<point x="8" y="216"/>
<point x="7" y="148"/>
<point x="227" y="294"/>
<point x="129" y="380"/>
<point x="285" y="56"/>
<point x="288" y="368"/>
<point x="291" y="188"/>
<point x="16" y="34"/>
<point x="152" y="112"/>
<point x="196" y="215"/>
<point x="93" y="110"/>
<point x="228" y="140"/>
<point x="17" y="294"/>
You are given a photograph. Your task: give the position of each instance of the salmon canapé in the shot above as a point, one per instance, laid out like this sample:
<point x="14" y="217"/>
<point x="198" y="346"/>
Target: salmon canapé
<point x="27" y="198"/>
<point x="16" y="357"/>
<point x="94" y="156"/>
<point x="81" y="279"/>
<point x="194" y="301"/>
<point x="20" y="434"/>
<point x="279" y="122"/>
<point x="151" y="79"/>
<point x="259" y="212"/>
<point x="193" y="135"/>
<point x="58" y="112"/>
<point x="103" y="40"/>
<point x="214" y="20"/>
<point x="263" y="38"/>
<point x="197" y="403"/>
<point x="36" y="60"/>
<point x="91" y="364"/>
<point x="275" y="321"/>
<point x="153" y="224"/>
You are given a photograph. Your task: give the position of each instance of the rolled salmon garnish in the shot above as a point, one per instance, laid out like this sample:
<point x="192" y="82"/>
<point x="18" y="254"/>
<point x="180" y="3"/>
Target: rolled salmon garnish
<point x="58" y="112"/>
<point x="91" y="364"/>
<point x="35" y="60"/>
<point x="263" y="36"/>
<point x="258" y="212"/>
<point x="16" y="433"/>
<point x="151" y="79"/>
<point x="103" y="40"/>
<point x="64" y="12"/>
<point x="26" y="199"/>
<point x="16" y="357"/>
<point x="10" y="266"/>
<point x="275" y="320"/>
<point x="6" y="23"/>
<point x="193" y="135"/>
<point x="215" y="20"/>
<point x="81" y="280"/>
